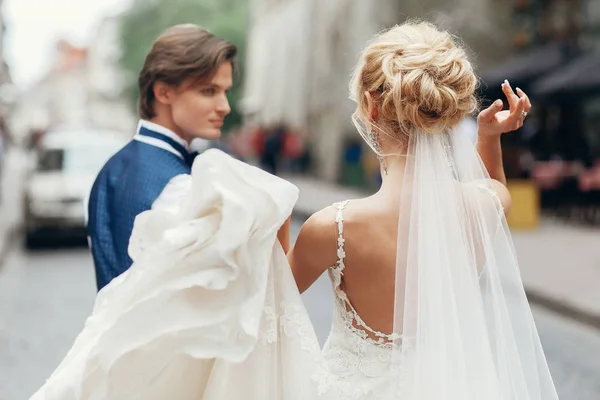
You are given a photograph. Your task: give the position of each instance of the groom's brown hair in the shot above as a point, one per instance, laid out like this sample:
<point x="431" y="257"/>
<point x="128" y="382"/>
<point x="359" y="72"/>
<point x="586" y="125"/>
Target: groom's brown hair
<point x="181" y="52"/>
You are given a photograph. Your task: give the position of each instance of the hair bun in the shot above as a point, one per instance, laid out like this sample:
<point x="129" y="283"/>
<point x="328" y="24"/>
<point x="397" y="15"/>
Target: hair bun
<point x="421" y="77"/>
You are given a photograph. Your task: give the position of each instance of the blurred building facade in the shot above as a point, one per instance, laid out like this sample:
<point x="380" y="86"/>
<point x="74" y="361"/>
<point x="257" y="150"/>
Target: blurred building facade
<point x="301" y="54"/>
<point x="83" y="89"/>
<point x="6" y="87"/>
<point x="4" y="72"/>
<point x="557" y="60"/>
<point x="107" y="104"/>
<point x="536" y="22"/>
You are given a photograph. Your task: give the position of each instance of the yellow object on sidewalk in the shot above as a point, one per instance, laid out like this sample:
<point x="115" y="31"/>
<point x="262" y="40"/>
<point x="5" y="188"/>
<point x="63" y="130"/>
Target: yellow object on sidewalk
<point x="525" y="210"/>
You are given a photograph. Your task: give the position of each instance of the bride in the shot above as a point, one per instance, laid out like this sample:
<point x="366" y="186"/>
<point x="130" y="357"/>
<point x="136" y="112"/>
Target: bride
<point x="428" y="299"/>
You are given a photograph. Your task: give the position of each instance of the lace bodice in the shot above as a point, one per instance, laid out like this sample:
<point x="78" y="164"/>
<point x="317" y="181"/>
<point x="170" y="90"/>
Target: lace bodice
<point x="358" y="359"/>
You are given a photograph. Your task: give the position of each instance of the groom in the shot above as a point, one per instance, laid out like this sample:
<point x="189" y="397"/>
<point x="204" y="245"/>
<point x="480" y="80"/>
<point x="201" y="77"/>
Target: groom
<point x="183" y="89"/>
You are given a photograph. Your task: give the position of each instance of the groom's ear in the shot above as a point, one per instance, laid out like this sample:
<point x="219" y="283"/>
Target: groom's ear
<point x="163" y="92"/>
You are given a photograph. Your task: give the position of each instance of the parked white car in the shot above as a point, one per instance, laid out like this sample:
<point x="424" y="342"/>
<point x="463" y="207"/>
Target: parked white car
<point x="58" y="187"/>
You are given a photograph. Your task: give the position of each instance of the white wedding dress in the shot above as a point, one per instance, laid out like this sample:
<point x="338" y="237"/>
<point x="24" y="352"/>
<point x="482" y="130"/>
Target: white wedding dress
<point x="210" y="309"/>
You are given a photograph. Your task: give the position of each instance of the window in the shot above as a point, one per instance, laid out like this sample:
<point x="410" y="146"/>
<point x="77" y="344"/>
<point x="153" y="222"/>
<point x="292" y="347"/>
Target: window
<point x="50" y="160"/>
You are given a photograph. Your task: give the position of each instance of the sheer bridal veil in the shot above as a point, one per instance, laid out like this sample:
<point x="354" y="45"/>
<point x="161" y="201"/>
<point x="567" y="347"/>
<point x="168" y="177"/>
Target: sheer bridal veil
<point x="467" y="328"/>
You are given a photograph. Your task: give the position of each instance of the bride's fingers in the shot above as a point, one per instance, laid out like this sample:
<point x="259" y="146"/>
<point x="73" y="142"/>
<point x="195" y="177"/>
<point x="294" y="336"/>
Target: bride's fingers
<point x="516" y="115"/>
<point x="487" y="115"/>
<point x="510" y="95"/>
<point x="523" y="95"/>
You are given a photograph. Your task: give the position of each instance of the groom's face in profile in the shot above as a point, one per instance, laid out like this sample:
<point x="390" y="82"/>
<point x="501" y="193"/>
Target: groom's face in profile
<point x="198" y="109"/>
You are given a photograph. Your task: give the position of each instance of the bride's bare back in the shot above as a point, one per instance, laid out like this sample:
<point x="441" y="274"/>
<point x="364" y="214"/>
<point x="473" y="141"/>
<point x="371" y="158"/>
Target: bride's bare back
<point x="370" y="234"/>
<point x="370" y="228"/>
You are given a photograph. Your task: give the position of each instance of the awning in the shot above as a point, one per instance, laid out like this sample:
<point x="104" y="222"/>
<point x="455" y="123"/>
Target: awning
<point x="580" y="77"/>
<point x="530" y="65"/>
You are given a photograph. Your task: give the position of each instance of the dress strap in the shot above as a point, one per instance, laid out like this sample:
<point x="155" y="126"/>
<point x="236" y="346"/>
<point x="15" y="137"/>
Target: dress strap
<point x="352" y="320"/>
<point x="339" y="219"/>
<point x="494" y="194"/>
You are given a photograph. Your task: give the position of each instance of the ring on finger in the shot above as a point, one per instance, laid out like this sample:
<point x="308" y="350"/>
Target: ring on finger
<point x="524" y="114"/>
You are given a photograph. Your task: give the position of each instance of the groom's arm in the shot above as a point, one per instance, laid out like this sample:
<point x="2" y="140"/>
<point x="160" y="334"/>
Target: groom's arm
<point x="173" y="193"/>
<point x="99" y="233"/>
<point x="284" y="235"/>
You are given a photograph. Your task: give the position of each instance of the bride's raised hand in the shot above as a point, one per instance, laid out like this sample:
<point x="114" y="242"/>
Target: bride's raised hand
<point x="494" y="120"/>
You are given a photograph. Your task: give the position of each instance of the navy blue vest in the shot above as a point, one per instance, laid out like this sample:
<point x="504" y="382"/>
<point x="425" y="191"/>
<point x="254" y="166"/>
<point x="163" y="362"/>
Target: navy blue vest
<point x="126" y="186"/>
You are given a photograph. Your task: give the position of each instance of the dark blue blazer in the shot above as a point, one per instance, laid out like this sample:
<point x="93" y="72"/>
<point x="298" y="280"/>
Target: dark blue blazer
<point x="126" y="186"/>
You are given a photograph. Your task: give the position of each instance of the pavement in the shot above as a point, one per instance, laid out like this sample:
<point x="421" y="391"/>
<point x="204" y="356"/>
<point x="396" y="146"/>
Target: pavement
<point x="560" y="263"/>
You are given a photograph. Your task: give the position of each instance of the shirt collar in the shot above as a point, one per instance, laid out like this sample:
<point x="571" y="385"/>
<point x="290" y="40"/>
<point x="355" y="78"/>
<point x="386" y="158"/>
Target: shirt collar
<point x="163" y="131"/>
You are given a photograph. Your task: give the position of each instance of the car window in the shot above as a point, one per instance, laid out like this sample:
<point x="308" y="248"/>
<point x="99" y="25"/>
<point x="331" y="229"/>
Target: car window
<point x="50" y="160"/>
<point x="82" y="158"/>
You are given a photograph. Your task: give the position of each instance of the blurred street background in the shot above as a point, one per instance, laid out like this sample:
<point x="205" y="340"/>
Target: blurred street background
<point x="68" y="90"/>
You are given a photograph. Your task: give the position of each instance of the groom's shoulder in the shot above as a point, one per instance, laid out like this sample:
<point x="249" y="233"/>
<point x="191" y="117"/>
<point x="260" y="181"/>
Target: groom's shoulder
<point x="122" y="157"/>
<point x="136" y="156"/>
<point x="123" y="152"/>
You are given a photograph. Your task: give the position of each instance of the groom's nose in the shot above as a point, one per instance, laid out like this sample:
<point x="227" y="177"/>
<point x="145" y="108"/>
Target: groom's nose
<point x="223" y="107"/>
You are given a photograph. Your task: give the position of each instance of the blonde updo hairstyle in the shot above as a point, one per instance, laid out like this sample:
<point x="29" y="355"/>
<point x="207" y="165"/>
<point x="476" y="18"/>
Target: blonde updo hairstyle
<point x="419" y="79"/>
